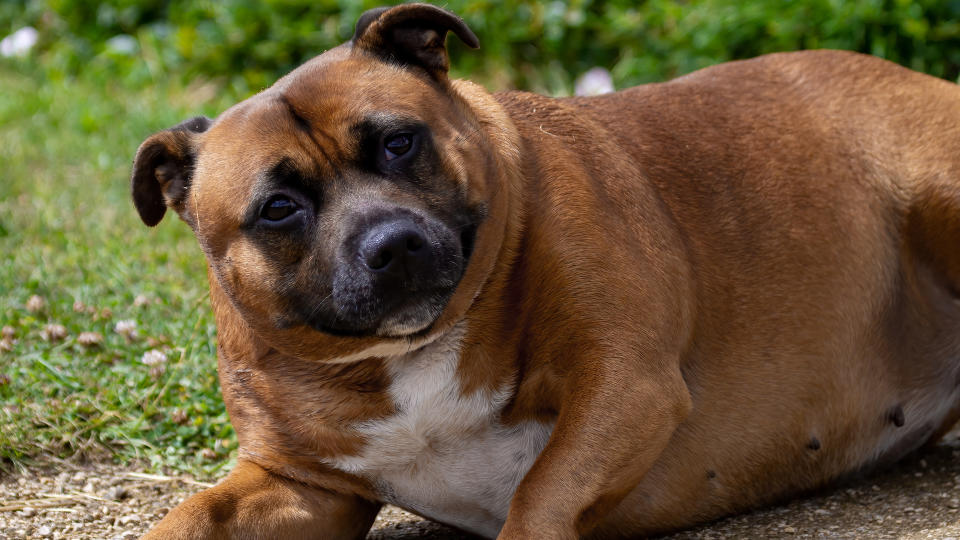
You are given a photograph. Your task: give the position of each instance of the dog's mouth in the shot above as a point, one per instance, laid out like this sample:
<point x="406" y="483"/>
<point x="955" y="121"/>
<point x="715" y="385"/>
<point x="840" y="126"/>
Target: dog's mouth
<point x="407" y="319"/>
<point x="365" y="304"/>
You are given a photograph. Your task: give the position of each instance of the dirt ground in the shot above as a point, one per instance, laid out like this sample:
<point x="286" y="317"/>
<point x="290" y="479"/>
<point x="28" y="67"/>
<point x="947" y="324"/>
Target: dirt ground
<point x="918" y="499"/>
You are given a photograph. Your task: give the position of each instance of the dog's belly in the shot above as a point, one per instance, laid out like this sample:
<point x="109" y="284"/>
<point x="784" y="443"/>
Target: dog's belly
<point x="445" y="455"/>
<point x="818" y="411"/>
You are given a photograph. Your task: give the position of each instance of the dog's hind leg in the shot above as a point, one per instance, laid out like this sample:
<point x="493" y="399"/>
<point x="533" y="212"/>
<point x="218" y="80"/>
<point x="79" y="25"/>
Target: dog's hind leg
<point x="252" y="503"/>
<point x="933" y="232"/>
<point x="932" y="274"/>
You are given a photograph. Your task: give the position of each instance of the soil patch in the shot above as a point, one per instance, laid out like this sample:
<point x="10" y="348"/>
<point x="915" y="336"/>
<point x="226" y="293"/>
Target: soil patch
<point x="917" y="499"/>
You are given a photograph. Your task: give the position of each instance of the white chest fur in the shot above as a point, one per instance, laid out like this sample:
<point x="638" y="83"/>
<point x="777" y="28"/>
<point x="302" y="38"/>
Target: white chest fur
<point x="445" y="455"/>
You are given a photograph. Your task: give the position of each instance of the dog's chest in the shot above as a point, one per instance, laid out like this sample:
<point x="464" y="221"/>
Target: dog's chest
<point x="444" y="454"/>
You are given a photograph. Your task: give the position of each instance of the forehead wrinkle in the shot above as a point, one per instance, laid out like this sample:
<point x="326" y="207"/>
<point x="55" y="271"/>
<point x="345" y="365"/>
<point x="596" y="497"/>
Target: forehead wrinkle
<point x="327" y="145"/>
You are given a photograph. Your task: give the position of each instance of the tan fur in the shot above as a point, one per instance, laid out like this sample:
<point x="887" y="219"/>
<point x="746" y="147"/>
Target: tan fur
<point x="718" y="292"/>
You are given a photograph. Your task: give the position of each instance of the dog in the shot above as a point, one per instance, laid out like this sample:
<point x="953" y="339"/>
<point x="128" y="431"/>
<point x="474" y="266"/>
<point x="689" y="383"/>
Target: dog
<point x="599" y="317"/>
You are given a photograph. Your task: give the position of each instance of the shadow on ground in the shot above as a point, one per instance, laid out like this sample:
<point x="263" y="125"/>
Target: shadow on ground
<point x="918" y="498"/>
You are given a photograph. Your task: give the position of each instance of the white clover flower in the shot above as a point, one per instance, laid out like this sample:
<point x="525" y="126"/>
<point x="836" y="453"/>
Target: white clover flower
<point x="126" y="328"/>
<point x="90" y="339"/>
<point x="594" y="82"/>
<point x="20" y="42"/>
<point x="36" y="304"/>
<point x="123" y="44"/>
<point x="53" y="332"/>
<point x="154" y="357"/>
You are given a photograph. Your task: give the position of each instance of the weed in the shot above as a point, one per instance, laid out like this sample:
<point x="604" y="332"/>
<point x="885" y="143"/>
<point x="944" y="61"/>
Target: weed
<point x="108" y="338"/>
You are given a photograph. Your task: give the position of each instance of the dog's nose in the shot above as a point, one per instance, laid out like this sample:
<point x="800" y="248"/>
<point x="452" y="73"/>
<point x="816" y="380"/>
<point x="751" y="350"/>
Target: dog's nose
<point x="395" y="247"/>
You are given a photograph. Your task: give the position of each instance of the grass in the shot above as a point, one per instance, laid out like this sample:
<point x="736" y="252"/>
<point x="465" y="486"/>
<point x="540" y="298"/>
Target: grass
<point x="73" y="380"/>
<point x="86" y="290"/>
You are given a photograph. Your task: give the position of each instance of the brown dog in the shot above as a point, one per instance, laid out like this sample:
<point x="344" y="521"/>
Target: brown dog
<point x="551" y="318"/>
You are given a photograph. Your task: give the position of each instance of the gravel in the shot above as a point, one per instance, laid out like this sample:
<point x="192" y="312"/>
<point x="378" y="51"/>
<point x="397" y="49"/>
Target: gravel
<point x="917" y="499"/>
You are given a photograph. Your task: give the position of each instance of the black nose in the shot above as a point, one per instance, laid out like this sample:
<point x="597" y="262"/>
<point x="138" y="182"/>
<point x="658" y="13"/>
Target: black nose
<point x="396" y="247"/>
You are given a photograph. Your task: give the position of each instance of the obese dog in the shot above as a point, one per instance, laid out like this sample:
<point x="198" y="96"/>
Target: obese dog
<point x="597" y="317"/>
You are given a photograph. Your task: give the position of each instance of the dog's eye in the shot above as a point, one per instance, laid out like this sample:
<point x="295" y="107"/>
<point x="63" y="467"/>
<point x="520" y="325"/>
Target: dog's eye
<point x="278" y="208"/>
<point x="397" y="145"/>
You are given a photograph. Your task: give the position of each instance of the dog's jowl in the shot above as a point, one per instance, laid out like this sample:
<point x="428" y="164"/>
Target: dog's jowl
<point x="558" y="318"/>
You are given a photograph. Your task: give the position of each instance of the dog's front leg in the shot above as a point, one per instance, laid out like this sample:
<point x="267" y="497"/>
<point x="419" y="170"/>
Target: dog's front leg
<point x="251" y="503"/>
<point x="615" y="422"/>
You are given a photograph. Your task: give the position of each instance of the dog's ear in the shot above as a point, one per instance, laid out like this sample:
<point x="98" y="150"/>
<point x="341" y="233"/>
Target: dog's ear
<point x="413" y="34"/>
<point x="163" y="168"/>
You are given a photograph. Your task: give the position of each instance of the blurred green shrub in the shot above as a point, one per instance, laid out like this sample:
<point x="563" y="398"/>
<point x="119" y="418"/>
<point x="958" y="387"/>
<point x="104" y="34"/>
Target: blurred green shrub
<point x="525" y="43"/>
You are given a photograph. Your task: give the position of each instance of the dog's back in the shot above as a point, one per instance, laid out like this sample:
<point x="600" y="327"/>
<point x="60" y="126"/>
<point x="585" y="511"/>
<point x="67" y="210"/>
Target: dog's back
<point x="817" y="196"/>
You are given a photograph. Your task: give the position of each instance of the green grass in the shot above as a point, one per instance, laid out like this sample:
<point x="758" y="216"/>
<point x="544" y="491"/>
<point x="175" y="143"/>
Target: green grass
<point x="70" y="235"/>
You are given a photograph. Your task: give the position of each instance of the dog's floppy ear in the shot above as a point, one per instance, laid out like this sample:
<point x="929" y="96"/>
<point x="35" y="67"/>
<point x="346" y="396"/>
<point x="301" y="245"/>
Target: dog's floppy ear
<point x="413" y="34"/>
<point x="163" y="167"/>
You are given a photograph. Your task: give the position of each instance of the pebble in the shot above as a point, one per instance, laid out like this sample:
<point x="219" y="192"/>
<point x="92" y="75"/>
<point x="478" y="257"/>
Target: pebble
<point x="116" y="493"/>
<point x="900" y="506"/>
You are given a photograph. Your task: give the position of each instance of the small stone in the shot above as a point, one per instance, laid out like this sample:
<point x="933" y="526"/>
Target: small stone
<point x="129" y="518"/>
<point x="45" y="531"/>
<point x="28" y="512"/>
<point x="208" y="454"/>
<point x="822" y="512"/>
<point x="116" y="493"/>
<point x="953" y="503"/>
<point x="789" y="530"/>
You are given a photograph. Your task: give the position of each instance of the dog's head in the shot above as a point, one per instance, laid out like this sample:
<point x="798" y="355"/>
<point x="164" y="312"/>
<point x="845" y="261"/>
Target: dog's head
<point x="346" y="203"/>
